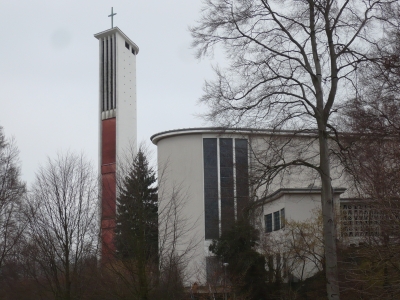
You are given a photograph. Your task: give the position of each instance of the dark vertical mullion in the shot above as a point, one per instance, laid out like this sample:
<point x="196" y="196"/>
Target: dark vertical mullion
<point x="115" y="72"/>
<point x="107" y="78"/>
<point x="102" y="76"/>
<point x="112" y="74"/>
<point x="226" y="180"/>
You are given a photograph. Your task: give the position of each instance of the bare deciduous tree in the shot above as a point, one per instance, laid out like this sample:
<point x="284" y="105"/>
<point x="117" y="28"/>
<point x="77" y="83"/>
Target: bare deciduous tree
<point x="372" y="158"/>
<point x="176" y="242"/>
<point x="62" y="233"/>
<point x="289" y="62"/>
<point x="12" y="190"/>
<point x="295" y="258"/>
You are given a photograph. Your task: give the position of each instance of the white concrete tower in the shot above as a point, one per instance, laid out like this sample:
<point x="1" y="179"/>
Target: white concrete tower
<point x="117" y="119"/>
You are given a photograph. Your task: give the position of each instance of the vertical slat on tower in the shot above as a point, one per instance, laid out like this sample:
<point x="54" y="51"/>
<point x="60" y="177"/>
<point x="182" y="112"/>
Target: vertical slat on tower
<point x="105" y="74"/>
<point x="111" y="73"/>
<point x="114" y="71"/>
<point x="109" y="91"/>
<point x="101" y="41"/>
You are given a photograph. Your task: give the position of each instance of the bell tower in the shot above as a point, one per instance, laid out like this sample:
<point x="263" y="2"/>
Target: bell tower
<point x="117" y="120"/>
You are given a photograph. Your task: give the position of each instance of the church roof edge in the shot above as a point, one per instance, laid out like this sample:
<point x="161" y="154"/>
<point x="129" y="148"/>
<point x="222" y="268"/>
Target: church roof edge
<point x="116" y="29"/>
<point x="226" y="130"/>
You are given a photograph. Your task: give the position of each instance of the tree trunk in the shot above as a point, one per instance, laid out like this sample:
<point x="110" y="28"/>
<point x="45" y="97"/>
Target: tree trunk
<point x="328" y="219"/>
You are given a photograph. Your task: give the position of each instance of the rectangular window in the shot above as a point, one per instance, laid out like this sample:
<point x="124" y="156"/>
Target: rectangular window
<point x="277" y="223"/>
<point x="268" y="223"/>
<point x="126" y="45"/>
<point x="242" y="176"/>
<point x="282" y="218"/>
<point x="211" y="212"/>
<point x="133" y="51"/>
<point x="226" y="180"/>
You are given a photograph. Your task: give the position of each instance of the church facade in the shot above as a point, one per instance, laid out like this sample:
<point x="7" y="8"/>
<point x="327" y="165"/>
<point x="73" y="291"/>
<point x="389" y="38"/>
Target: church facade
<point x="220" y="173"/>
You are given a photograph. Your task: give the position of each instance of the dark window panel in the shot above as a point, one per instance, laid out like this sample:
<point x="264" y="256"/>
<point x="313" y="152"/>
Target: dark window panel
<point x="241" y="156"/>
<point x="282" y="218"/>
<point x="210" y="159"/>
<point x="211" y="212"/>
<point x="242" y="176"/>
<point x="210" y="152"/>
<point x="126" y="45"/>
<point x="211" y="218"/>
<point x="226" y="172"/>
<point x="242" y="187"/>
<point x="268" y="223"/>
<point x="211" y="193"/>
<point x="277" y="223"/>
<point x="226" y="192"/>
<point x="226" y="153"/>
<point x="210" y="184"/>
<point x="211" y="173"/>
<point x="226" y="180"/>
<point x="241" y="205"/>
<point x="227" y="213"/>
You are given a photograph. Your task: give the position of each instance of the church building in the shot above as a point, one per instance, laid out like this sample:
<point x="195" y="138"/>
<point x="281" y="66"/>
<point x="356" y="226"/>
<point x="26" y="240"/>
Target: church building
<point x="219" y="173"/>
<point x="210" y="169"/>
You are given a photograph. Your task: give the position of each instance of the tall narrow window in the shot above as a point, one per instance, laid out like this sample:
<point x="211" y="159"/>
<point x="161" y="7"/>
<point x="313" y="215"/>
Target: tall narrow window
<point x="242" y="175"/>
<point x="276" y="221"/>
<point x="211" y="212"/>
<point x="226" y="179"/>
<point x="268" y="222"/>
<point x="126" y="45"/>
<point x="282" y="218"/>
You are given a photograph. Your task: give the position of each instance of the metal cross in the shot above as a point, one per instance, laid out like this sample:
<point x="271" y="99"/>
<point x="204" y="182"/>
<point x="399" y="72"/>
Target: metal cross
<point x="112" y="17"/>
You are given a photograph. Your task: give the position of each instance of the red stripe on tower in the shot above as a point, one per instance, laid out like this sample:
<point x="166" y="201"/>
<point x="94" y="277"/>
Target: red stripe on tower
<point x="108" y="186"/>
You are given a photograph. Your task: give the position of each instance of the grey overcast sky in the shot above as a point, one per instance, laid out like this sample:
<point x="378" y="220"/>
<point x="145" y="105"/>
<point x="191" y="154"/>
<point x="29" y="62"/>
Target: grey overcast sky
<point x="49" y="72"/>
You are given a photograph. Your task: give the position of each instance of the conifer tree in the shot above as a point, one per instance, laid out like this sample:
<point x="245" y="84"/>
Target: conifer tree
<point x="136" y="222"/>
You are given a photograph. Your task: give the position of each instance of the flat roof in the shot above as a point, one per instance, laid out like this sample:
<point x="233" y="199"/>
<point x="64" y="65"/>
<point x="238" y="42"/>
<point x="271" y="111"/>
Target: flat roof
<point x="224" y="130"/>
<point x="114" y="30"/>
<point x="280" y="192"/>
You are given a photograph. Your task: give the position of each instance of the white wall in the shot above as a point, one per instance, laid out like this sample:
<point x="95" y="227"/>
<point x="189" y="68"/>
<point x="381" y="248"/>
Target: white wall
<point x="180" y="163"/>
<point x="126" y="96"/>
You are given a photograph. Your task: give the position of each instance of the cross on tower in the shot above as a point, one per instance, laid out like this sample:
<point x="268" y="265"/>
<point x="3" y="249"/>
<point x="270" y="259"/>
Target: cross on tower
<point x="112" y="17"/>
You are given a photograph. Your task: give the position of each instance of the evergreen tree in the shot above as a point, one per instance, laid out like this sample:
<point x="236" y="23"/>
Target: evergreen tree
<point x="137" y="218"/>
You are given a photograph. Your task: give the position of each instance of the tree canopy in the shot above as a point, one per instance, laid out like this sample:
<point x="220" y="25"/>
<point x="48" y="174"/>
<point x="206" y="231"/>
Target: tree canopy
<point x="289" y="65"/>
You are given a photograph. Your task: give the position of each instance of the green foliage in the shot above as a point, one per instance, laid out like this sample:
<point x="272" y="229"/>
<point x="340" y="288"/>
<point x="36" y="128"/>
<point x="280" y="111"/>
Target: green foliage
<point x="136" y="231"/>
<point x="246" y="267"/>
